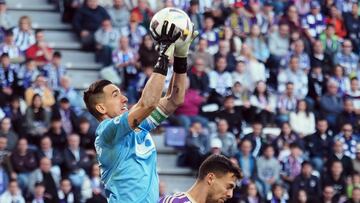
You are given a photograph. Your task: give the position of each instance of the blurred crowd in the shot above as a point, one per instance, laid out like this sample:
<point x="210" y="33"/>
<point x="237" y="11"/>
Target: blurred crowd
<point x="272" y="84"/>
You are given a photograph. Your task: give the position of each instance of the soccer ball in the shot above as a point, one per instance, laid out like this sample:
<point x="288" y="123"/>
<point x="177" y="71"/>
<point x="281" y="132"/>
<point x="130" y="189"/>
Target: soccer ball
<point x="176" y="16"/>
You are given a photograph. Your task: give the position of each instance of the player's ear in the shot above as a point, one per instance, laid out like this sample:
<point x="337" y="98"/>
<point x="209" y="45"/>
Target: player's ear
<point x="210" y="178"/>
<point x="100" y="108"/>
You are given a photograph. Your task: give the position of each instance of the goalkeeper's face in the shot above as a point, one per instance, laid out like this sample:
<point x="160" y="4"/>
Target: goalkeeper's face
<point x="114" y="103"/>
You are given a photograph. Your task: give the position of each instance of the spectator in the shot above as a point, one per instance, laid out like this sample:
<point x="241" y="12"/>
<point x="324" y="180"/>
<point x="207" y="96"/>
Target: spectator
<point x="257" y="138"/>
<point x="347" y="58"/>
<point x="314" y="22"/>
<point x="286" y="103"/>
<point x="8" y="46"/>
<point x="12" y="194"/>
<point x="294" y="74"/>
<point x="124" y="59"/>
<point x="302" y="197"/>
<point x="303" y="57"/>
<point x="40" y="195"/>
<point x="135" y="32"/>
<point x="331" y="103"/>
<point x="147" y="54"/>
<point x="352" y="24"/>
<point x="54" y="71"/>
<point x="8" y="79"/>
<point x="47" y="150"/>
<point x="291" y="165"/>
<point x="286" y="138"/>
<point x="355" y="183"/>
<point x="302" y="121"/>
<point x="318" y="144"/>
<point x="49" y="175"/>
<point x="356" y="161"/>
<point x="329" y="40"/>
<point x="211" y="35"/>
<point x="67" y="91"/>
<point x="5" y="19"/>
<point x="199" y="80"/>
<point x="15" y="111"/>
<point x="336" y="179"/>
<point x="197" y="145"/>
<point x="219" y="80"/>
<point x="228" y="140"/>
<point x="320" y="58"/>
<point x="348" y="139"/>
<point x="24" y="34"/>
<point x="195" y="16"/>
<point x="251" y="194"/>
<point x="28" y="73"/>
<point x="264" y="103"/>
<point x="342" y="80"/>
<point x="232" y="114"/>
<point x="292" y="19"/>
<point x="224" y="51"/>
<point x="37" y="119"/>
<point x="339" y="155"/>
<point x="24" y="162"/>
<point x="355" y="196"/>
<point x="87" y="20"/>
<point x="6" y="170"/>
<point x="143" y="12"/>
<point x="97" y="188"/>
<point x="119" y="14"/>
<point x="279" y="45"/>
<point x="257" y="44"/>
<point x="335" y="18"/>
<point x="70" y="9"/>
<point x="278" y="194"/>
<point x="201" y="52"/>
<point x="268" y="169"/>
<point x="68" y="116"/>
<point x="328" y="195"/>
<point x="39" y="87"/>
<point x="354" y="93"/>
<point x="77" y="162"/>
<point x="66" y="193"/>
<point x="255" y="69"/>
<point x="40" y="52"/>
<point x="239" y="19"/>
<point x="241" y="75"/>
<point x="57" y="133"/>
<point x="87" y="136"/>
<point x="188" y="112"/>
<point x="7" y="131"/>
<point x="349" y="115"/>
<point x="106" y="38"/>
<point x="306" y="181"/>
<point x="246" y="160"/>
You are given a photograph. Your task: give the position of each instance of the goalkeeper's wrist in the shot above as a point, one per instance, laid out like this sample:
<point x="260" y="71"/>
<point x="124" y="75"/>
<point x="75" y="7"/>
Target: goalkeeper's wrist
<point x="180" y="64"/>
<point x="161" y="66"/>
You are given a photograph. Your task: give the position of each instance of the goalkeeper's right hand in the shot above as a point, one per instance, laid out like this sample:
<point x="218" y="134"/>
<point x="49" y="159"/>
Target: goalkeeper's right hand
<point x="165" y="44"/>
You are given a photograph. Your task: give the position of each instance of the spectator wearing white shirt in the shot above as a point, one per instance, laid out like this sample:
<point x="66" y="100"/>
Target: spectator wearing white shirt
<point x="220" y="80"/>
<point x="9" y="47"/>
<point x="241" y="75"/>
<point x="354" y="93"/>
<point x="12" y="194"/>
<point x="255" y="69"/>
<point x="106" y="38"/>
<point x="24" y="34"/>
<point x="302" y="121"/>
<point x="293" y="74"/>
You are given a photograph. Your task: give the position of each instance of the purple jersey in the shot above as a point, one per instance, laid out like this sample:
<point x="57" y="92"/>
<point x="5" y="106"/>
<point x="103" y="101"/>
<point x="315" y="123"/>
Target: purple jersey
<point x="181" y="197"/>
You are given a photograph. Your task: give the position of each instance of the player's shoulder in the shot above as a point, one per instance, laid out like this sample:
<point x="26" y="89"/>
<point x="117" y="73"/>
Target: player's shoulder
<point x="180" y="197"/>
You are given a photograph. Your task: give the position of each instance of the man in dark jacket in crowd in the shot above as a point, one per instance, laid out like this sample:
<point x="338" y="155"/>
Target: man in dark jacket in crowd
<point x="87" y="20"/>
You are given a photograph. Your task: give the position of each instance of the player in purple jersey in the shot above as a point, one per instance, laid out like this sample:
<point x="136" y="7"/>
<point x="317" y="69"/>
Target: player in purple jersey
<point x="215" y="183"/>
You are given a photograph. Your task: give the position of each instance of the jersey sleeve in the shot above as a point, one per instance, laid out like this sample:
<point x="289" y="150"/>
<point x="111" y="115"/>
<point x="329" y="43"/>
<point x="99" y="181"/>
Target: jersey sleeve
<point x="153" y="120"/>
<point x="116" y="128"/>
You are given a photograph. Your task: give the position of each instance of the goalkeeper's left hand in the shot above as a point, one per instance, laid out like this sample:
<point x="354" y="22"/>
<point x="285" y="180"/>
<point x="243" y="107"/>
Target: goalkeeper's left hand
<point x="182" y="50"/>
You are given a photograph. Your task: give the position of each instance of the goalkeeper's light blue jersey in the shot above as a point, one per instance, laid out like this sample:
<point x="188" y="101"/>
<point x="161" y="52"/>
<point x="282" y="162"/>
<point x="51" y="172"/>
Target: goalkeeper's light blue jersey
<point x="127" y="160"/>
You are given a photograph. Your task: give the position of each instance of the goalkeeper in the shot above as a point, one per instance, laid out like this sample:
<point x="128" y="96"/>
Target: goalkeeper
<point x="124" y="147"/>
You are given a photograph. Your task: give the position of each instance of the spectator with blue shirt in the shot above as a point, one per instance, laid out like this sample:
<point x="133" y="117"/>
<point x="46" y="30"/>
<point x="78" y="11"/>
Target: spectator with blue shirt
<point x="314" y="22"/>
<point x="54" y="70"/>
<point x="211" y="34"/>
<point x="349" y="140"/>
<point x="347" y="58"/>
<point x="8" y="79"/>
<point x="28" y="73"/>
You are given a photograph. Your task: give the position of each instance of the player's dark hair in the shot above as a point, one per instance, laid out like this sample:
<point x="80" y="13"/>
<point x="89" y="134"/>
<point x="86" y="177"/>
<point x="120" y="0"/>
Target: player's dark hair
<point x="219" y="165"/>
<point x="91" y="95"/>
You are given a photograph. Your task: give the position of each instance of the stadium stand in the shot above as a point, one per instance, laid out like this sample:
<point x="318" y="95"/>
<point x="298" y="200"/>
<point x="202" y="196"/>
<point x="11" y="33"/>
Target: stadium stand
<point x="272" y="84"/>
